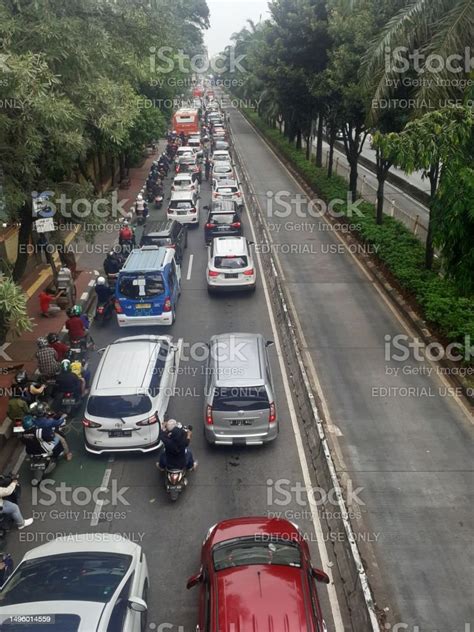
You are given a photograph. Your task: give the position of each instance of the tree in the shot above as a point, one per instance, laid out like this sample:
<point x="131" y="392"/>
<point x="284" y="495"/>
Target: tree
<point x="13" y="315"/>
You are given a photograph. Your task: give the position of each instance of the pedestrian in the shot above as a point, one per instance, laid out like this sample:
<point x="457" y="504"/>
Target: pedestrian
<point x="9" y="508"/>
<point x="47" y="300"/>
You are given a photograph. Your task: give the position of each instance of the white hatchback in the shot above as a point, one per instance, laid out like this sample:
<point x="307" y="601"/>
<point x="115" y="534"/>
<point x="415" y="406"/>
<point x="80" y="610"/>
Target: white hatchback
<point x="230" y="265"/>
<point x="91" y="582"/>
<point x="129" y="396"/>
<point x="184" y="182"/>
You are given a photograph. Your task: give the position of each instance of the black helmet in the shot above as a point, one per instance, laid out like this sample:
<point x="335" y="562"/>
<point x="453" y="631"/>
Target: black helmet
<point x="21" y="378"/>
<point x="52" y="338"/>
<point x="69" y="312"/>
<point x="38" y="409"/>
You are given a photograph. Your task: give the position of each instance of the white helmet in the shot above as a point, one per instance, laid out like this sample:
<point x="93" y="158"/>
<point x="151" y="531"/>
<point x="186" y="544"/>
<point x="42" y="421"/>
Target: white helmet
<point x="100" y="281"/>
<point x="125" y="222"/>
<point x="170" y="424"/>
<point x="139" y="197"/>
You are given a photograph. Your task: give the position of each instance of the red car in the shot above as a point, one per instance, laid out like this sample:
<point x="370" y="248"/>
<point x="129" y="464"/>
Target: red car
<point x="256" y="574"/>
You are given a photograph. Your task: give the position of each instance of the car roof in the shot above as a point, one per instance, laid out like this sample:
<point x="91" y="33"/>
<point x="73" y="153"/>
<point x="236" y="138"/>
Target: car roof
<point x="117" y="374"/>
<point x="182" y="195"/>
<point x="183" y="176"/>
<point x="222" y="163"/>
<point x="224" y="205"/>
<point x="147" y="259"/>
<point x="225" y="246"/>
<point x="238" y="344"/>
<point x="226" y="183"/>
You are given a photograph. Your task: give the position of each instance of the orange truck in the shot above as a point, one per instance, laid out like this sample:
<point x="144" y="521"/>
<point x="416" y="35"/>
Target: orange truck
<point x="186" y="120"/>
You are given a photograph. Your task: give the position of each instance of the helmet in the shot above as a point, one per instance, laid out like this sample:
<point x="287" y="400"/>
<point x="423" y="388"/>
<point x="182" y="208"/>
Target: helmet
<point x="100" y="281"/>
<point x="42" y="342"/>
<point x="37" y="409"/>
<point x="77" y="310"/>
<point x="170" y="424"/>
<point x="65" y="366"/>
<point x="21" y="377"/>
<point x="140" y="197"/>
<point x="69" y="312"/>
<point x="52" y="338"/>
<point x="28" y="422"/>
<point x="125" y="222"/>
<point x="155" y="163"/>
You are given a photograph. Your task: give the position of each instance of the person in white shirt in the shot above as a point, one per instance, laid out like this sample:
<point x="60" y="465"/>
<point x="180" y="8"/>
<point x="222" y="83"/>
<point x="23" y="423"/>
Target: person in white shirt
<point x="9" y="508"/>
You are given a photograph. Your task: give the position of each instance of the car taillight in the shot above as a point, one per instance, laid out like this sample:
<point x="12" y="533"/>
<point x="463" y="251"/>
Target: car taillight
<point x="235" y="224"/>
<point x="217" y="194"/>
<point x="209" y="420"/>
<point x="100" y="309"/>
<point x="148" y="422"/>
<point x="249" y="272"/>
<point x="87" y="423"/>
<point x="175" y="477"/>
<point x="213" y="273"/>
<point x="210" y="225"/>
<point x="272" y="414"/>
<point x="167" y="305"/>
<point x="118" y="309"/>
<point x="193" y="210"/>
<point x="238" y="194"/>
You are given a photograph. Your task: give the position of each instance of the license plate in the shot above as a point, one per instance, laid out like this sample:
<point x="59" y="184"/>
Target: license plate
<point x="143" y="306"/>
<point x="38" y="466"/>
<point x="240" y="422"/>
<point x="181" y="212"/>
<point x="231" y="276"/>
<point x="18" y="429"/>
<point x="68" y="402"/>
<point x="120" y="433"/>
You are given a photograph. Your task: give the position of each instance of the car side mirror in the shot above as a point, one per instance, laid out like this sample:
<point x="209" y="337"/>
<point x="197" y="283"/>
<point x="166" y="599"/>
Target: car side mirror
<point x="194" y="580"/>
<point x="251" y="243"/>
<point x="137" y="605"/>
<point x="320" y="576"/>
<point x="269" y="343"/>
<point x="101" y="350"/>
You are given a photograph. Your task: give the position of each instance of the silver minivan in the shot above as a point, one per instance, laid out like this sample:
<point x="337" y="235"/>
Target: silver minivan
<point x="239" y="403"/>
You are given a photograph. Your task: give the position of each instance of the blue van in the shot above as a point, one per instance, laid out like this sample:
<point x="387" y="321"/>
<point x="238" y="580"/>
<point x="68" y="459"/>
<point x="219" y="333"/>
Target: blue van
<point x="148" y="287"/>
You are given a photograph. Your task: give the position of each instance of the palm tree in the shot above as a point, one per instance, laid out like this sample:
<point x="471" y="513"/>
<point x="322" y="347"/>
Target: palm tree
<point x="441" y="28"/>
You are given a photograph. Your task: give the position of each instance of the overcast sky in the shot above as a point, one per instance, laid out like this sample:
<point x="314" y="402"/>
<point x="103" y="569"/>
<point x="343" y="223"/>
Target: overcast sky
<point x="230" y="16"/>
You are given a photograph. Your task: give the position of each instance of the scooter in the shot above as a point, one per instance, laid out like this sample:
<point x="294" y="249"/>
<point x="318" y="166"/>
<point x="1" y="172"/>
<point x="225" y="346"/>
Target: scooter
<point x="41" y="463"/>
<point x="104" y="311"/>
<point x="176" y="480"/>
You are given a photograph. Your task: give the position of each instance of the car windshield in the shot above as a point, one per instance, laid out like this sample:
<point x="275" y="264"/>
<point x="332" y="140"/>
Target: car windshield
<point x="240" y="398"/>
<point x="66" y="577"/>
<point x="222" y="167"/>
<point x="135" y="287"/>
<point x="230" y="263"/>
<point x="227" y="190"/>
<point x="222" y="218"/>
<point x="118" y="406"/>
<point x="268" y="549"/>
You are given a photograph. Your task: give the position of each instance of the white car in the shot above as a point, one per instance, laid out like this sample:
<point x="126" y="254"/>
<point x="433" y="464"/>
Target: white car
<point x="227" y="190"/>
<point x="223" y="170"/>
<point x="221" y="155"/>
<point x="184" y="207"/>
<point x="230" y="265"/>
<point x="92" y="582"/>
<point x="185" y="151"/>
<point x="184" y="182"/>
<point x="130" y="394"/>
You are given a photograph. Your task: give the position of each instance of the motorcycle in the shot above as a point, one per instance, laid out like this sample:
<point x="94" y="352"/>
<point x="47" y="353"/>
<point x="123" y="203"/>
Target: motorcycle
<point x="158" y="201"/>
<point x="104" y="312"/>
<point x="41" y="463"/>
<point x="176" y="480"/>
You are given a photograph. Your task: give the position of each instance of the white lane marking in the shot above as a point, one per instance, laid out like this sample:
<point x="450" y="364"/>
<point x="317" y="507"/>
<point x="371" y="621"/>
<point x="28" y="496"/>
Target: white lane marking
<point x="405" y="325"/>
<point x="332" y="594"/>
<point x="84" y="295"/>
<point x="190" y="267"/>
<point x="98" y="506"/>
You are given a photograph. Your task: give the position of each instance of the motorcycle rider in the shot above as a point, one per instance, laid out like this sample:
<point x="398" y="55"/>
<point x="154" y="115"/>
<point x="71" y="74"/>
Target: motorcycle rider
<point x="9" y="508"/>
<point x="60" y="348"/>
<point x="176" y="439"/>
<point x="48" y="364"/>
<point x="141" y="207"/>
<point x="17" y="406"/>
<point x="126" y="235"/>
<point x="68" y="382"/>
<point x="75" y="326"/>
<point x="207" y="168"/>
<point x="39" y="438"/>
<point x="112" y="263"/>
<point x="105" y="294"/>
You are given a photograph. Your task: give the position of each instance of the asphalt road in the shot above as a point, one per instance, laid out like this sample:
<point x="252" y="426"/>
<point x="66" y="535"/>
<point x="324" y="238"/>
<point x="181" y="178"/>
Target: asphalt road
<point x="396" y="430"/>
<point x="228" y="482"/>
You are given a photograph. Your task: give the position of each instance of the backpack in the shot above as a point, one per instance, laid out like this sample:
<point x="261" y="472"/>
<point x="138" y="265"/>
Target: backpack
<point x="126" y="233"/>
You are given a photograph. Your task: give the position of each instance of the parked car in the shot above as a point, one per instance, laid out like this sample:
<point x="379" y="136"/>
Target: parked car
<point x="227" y="189"/>
<point x="230" y="265"/>
<point x="256" y="574"/>
<point x="127" y="400"/>
<point x="239" y="404"/>
<point x="222" y="223"/>
<point x="169" y="233"/>
<point x="93" y="582"/>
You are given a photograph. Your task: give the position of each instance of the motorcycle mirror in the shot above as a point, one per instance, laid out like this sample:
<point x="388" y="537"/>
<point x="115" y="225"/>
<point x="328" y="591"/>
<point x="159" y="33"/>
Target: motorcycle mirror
<point x="320" y="576"/>
<point x="137" y="605"/>
<point x="269" y="343"/>
<point x="194" y="580"/>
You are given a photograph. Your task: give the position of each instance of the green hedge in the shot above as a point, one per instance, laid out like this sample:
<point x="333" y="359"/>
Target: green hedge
<point x="401" y="252"/>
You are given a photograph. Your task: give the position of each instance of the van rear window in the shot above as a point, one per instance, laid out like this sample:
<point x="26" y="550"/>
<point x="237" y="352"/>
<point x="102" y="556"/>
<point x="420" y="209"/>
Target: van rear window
<point x="134" y="287"/>
<point x="240" y="398"/>
<point x="118" y="405"/>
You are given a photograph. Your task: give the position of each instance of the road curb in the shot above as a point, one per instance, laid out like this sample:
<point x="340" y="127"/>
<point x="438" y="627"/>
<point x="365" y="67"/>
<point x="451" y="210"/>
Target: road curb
<point x="382" y="280"/>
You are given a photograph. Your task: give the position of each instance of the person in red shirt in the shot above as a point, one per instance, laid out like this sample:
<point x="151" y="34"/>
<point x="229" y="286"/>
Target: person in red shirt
<point x="46" y="300"/>
<point x="75" y="327"/>
<point x="59" y="347"/>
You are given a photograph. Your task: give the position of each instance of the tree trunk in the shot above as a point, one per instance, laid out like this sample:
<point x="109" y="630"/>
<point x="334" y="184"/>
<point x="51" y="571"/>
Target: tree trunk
<point x="308" y="147"/>
<point x="383" y="167"/>
<point x="429" y="253"/>
<point x="332" y="140"/>
<point x="319" y="142"/>
<point x="24" y="235"/>
<point x="298" y="139"/>
<point x="353" y="178"/>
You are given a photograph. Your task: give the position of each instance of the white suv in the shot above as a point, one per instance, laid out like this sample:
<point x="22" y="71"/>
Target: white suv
<point x="230" y="265"/>
<point x="184" y="182"/>
<point x="129" y="395"/>
<point x="227" y="190"/>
